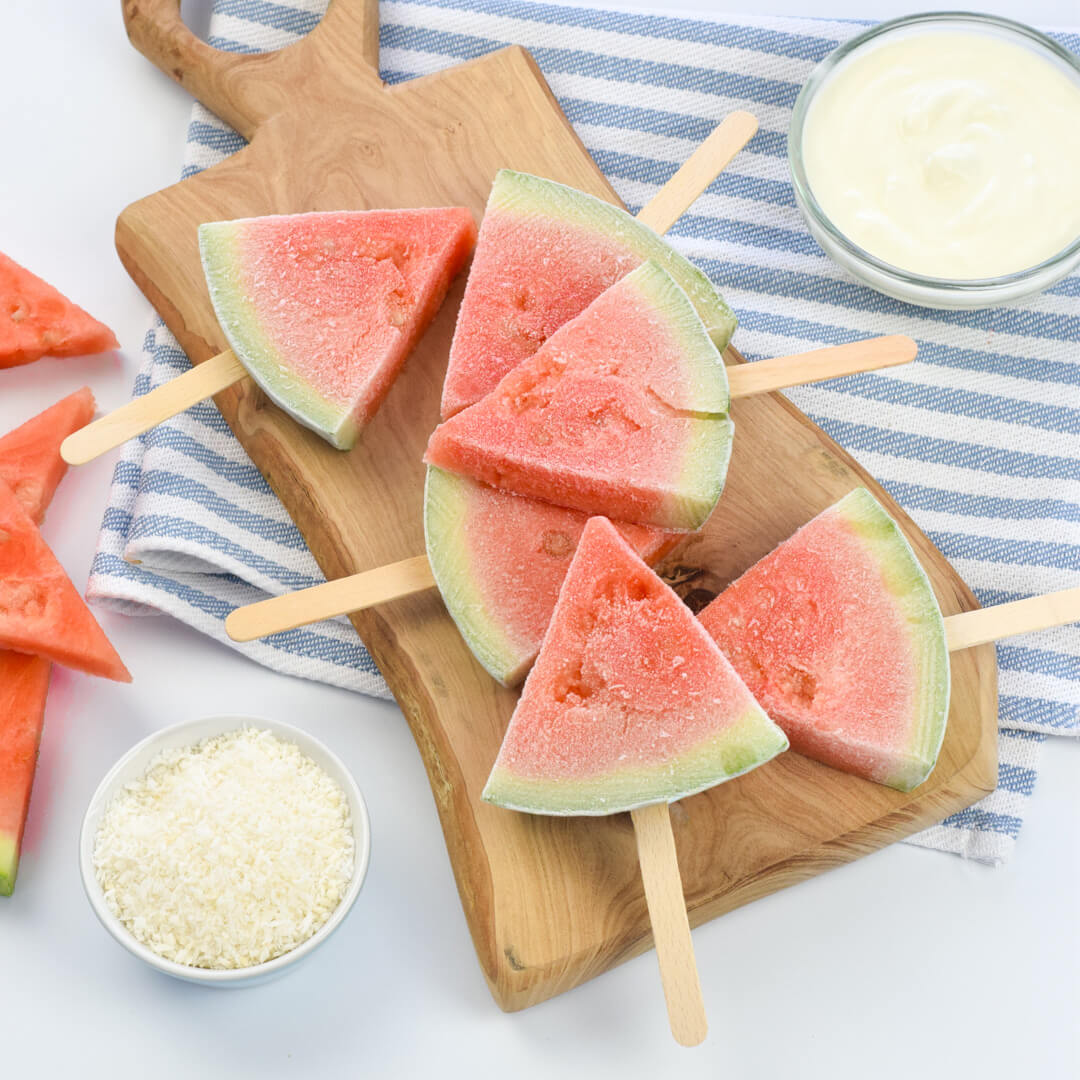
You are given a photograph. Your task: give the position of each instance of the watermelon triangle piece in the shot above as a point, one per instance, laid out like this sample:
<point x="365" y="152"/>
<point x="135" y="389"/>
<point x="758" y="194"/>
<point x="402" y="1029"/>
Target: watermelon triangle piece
<point x="37" y="320"/>
<point x="24" y="683"/>
<point x="499" y="561"/>
<point x="622" y="412"/>
<point x="545" y="252"/>
<point x="838" y="634"/>
<point x="30" y="461"/>
<point x="40" y="610"/>
<point x="323" y="308"/>
<point x="629" y="702"/>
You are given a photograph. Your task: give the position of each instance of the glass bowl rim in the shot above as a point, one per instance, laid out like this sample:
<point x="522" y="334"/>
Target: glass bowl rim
<point x="805" y="196"/>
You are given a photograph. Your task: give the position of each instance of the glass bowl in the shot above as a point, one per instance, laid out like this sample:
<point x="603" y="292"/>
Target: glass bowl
<point x="882" y="276"/>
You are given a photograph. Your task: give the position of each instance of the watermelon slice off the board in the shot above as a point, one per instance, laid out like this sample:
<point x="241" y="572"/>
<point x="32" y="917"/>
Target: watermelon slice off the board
<point x="30" y="461"/>
<point x="629" y="702"/>
<point x="838" y="634"/>
<point x="37" y="320"/>
<point x="545" y="252"/>
<point x="323" y="308"/>
<point x="40" y="610"/>
<point x="499" y="561"/>
<point x="31" y="465"/>
<point x="24" y="683"/>
<point x="622" y="412"/>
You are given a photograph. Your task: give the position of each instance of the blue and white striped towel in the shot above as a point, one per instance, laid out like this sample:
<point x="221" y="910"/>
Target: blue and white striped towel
<point x="977" y="440"/>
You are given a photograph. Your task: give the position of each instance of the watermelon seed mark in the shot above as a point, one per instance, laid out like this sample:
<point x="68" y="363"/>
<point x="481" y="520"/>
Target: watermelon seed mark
<point x="27" y="599"/>
<point x="557" y="544"/>
<point x="512" y="960"/>
<point x="800" y="685"/>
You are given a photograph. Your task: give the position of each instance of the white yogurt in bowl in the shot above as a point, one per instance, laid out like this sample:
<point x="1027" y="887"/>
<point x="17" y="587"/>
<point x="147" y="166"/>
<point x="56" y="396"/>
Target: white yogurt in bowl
<point x="937" y="156"/>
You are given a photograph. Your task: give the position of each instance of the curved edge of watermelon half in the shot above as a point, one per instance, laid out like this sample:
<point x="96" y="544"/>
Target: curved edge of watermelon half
<point x="30" y="461"/>
<point x="630" y="701"/>
<point x="750" y="742"/>
<point x="528" y="560"/>
<point x="909" y="584"/>
<point x="531" y="194"/>
<point x="24" y="683"/>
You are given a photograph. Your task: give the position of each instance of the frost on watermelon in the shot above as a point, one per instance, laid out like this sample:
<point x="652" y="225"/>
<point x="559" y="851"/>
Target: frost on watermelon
<point x="545" y="252"/>
<point x="499" y="560"/>
<point x="24" y="682"/>
<point x="622" y="412"/>
<point x="36" y="320"/>
<point x="40" y="610"/>
<point x="838" y="634"/>
<point x="30" y="461"/>
<point x="630" y="702"/>
<point x="323" y="308"/>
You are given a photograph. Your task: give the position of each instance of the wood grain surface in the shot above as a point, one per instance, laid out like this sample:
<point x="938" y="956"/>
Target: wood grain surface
<point x="549" y="902"/>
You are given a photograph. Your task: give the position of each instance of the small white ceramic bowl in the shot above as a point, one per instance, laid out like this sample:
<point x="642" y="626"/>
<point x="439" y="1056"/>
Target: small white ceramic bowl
<point x="133" y="764"/>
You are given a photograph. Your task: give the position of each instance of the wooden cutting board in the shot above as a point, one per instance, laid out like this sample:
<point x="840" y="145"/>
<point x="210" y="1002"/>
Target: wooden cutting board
<point x="549" y="902"/>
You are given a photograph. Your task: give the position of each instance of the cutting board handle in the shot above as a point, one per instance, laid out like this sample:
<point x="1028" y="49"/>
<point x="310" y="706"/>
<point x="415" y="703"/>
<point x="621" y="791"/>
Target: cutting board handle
<point x="246" y="89"/>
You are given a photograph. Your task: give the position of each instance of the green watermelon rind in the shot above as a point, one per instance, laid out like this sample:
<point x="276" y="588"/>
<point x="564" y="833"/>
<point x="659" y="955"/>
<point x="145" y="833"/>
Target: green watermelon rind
<point x="709" y="388"/>
<point x="748" y="743"/>
<point x="913" y="596"/>
<point x="526" y="194"/>
<point x="446" y="508"/>
<point x="240" y="323"/>
<point x="702" y="480"/>
<point x="9" y="862"/>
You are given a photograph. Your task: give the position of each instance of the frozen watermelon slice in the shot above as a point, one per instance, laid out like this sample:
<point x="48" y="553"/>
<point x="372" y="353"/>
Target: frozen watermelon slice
<point x="323" y="308"/>
<point x="30" y="461"/>
<point x="837" y="633"/>
<point x="499" y="560"/>
<point x="36" y="320"/>
<point x="629" y="701"/>
<point x="24" y="682"/>
<point x="40" y="610"/>
<point x="622" y="412"/>
<point x="545" y="252"/>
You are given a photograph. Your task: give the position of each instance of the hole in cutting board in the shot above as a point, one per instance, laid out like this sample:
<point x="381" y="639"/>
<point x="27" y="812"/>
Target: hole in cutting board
<point x="196" y="15"/>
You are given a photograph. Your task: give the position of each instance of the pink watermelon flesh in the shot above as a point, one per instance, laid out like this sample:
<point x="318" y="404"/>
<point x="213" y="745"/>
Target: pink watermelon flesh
<point x="30" y="457"/>
<point x="37" y="320"/>
<point x="323" y="308"/>
<point x="629" y="702"/>
<point x="545" y="252"/>
<point x="24" y="682"/>
<point x="838" y="634"/>
<point x="499" y="561"/>
<point x="30" y="461"/>
<point x="622" y="412"/>
<point x="40" y="611"/>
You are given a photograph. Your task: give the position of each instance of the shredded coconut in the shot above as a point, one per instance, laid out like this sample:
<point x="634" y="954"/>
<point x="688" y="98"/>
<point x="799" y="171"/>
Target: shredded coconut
<point x="227" y="853"/>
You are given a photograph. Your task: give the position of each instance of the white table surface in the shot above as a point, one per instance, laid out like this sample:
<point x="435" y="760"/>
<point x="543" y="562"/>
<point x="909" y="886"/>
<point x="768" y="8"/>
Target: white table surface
<point x="906" y="963"/>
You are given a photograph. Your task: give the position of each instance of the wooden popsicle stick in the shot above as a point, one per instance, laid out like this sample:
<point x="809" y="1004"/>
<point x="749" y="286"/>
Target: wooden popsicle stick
<point x="338" y="597"/>
<point x="978" y="627"/>
<point x="360" y="591"/>
<point x="670" y="925"/>
<point x="142" y="413"/>
<point x="698" y="171"/>
<point x="221" y="371"/>
<point x="781" y="372"/>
